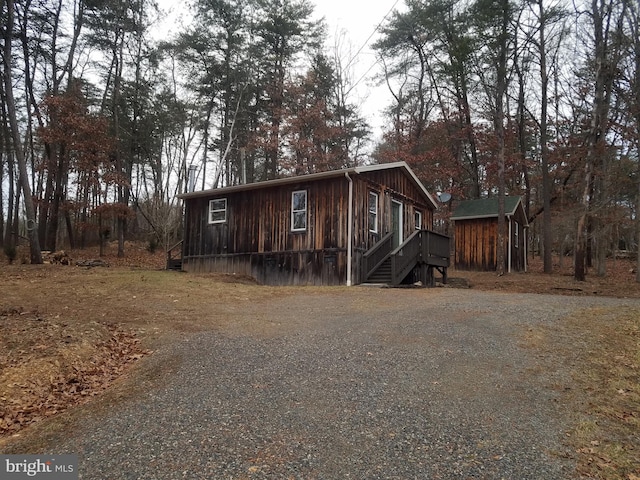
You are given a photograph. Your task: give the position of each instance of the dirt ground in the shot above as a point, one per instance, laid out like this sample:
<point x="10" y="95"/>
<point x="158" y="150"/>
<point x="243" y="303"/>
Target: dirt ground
<point x="68" y="333"/>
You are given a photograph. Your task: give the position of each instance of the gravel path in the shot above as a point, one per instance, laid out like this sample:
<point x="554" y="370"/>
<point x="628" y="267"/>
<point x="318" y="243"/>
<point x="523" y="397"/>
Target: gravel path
<point x="356" y="383"/>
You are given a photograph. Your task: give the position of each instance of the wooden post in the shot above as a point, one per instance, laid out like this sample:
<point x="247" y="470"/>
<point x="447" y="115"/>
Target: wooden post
<point x="424" y="274"/>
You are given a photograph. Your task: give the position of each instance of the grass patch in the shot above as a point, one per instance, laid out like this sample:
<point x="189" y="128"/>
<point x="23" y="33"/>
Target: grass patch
<point x="606" y="436"/>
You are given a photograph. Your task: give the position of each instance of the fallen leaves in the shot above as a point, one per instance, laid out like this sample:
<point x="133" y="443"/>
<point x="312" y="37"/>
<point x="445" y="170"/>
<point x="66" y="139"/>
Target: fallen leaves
<point x="47" y="365"/>
<point x="607" y="367"/>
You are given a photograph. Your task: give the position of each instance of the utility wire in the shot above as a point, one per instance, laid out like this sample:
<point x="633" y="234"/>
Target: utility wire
<point x="369" y="38"/>
<point x="364" y="75"/>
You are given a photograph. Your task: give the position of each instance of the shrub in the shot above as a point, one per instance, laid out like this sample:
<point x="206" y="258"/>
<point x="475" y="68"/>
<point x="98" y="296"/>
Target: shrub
<point x="10" y="252"/>
<point x="153" y="244"/>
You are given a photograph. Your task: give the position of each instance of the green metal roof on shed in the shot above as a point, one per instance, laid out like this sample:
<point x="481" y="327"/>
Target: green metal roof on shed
<point x="486" y="208"/>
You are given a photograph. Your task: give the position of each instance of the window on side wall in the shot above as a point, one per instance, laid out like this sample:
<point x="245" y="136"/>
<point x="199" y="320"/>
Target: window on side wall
<point x="299" y="211"/>
<point x="373" y="212"/>
<point x="218" y="210"/>
<point x="418" y="218"/>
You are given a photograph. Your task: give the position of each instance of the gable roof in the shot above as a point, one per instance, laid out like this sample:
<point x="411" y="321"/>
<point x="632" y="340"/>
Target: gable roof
<point x="486" y="208"/>
<point x="313" y="177"/>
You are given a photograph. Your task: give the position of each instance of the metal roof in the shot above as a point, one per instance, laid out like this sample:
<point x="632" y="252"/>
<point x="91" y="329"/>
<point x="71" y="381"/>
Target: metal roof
<point x="312" y="177"/>
<point x="486" y="208"/>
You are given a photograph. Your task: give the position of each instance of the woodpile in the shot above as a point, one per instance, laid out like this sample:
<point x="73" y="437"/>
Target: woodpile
<point x="60" y="258"/>
<point x="96" y="262"/>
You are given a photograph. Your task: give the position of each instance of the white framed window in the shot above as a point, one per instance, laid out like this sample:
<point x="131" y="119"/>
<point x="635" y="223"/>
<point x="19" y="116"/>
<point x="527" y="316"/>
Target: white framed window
<point x="373" y="212"/>
<point x="299" y="211"/>
<point x="218" y="210"/>
<point x="418" y="217"/>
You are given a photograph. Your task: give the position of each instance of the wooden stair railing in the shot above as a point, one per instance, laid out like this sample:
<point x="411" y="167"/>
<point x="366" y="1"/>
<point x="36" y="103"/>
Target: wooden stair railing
<point x="435" y="256"/>
<point x="174" y="263"/>
<point x="423" y="247"/>
<point x="376" y="255"/>
<point x="405" y="257"/>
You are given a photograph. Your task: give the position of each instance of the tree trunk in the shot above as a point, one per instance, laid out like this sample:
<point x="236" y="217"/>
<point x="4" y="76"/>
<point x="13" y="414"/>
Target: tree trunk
<point x="635" y="35"/>
<point x="638" y="223"/>
<point x="32" y="231"/>
<point x="1" y="201"/>
<point x="475" y="162"/>
<point x="15" y="225"/>
<point x="606" y="60"/>
<point x="8" y="238"/>
<point x="2" y="220"/>
<point x="501" y="87"/>
<point x="544" y="147"/>
<point x="58" y="193"/>
<point x="581" y="230"/>
<point x="121" y="221"/>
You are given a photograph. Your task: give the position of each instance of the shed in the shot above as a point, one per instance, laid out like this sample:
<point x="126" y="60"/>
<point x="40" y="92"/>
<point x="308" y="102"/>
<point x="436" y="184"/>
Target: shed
<point x="329" y="228"/>
<point x="476" y="234"/>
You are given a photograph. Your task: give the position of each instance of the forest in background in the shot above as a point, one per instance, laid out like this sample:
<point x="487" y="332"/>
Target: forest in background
<point x="102" y="118"/>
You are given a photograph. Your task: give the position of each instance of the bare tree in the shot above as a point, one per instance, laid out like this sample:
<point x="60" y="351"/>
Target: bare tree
<point x="607" y="17"/>
<point x="32" y="232"/>
<point x="494" y="22"/>
<point x="634" y="36"/>
<point x="545" y="17"/>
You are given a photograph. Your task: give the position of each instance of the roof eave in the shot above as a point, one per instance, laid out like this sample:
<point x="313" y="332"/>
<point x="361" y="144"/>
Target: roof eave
<point x="407" y="169"/>
<point x="475" y="217"/>
<point x="313" y="176"/>
<point x="266" y="184"/>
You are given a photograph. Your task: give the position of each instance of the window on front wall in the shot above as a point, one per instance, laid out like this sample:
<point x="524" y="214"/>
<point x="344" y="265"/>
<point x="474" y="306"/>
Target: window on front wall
<point x="218" y="210"/>
<point x="418" y="217"/>
<point x="373" y="212"/>
<point x="299" y="211"/>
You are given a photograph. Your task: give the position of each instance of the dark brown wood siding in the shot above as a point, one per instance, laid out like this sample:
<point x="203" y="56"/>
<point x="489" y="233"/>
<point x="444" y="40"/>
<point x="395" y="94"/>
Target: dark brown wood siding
<point x="389" y="185"/>
<point x="476" y="242"/>
<point x="257" y="239"/>
<point x="319" y="267"/>
<point x="259" y="225"/>
<point x="518" y="251"/>
<point x="260" y="221"/>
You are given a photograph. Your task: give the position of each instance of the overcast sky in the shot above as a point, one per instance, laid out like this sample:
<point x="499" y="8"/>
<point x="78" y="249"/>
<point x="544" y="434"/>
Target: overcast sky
<point x="355" y="22"/>
<point x="358" y="20"/>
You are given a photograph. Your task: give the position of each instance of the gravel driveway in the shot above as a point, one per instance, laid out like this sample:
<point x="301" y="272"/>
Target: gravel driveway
<point x="359" y="383"/>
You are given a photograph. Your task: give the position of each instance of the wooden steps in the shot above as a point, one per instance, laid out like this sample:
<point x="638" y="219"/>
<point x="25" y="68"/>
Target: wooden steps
<point x="382" y="274"/>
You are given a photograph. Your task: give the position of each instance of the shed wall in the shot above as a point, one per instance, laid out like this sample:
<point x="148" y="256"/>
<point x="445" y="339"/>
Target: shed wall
<point x="476" y="242"/>
<point x="476" y="245"/>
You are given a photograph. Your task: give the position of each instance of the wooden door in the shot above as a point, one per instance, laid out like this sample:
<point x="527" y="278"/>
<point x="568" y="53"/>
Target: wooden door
<point x="396" y="223"/>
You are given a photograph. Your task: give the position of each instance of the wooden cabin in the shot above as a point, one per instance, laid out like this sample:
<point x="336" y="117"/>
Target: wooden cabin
<point x="329" y="228"/>
<point x="476" y="235"/>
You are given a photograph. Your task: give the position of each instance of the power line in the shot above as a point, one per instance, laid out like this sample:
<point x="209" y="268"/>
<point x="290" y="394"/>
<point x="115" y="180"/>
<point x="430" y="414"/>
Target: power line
<point x="370" y="36"/>
<point x="364" y="75"/>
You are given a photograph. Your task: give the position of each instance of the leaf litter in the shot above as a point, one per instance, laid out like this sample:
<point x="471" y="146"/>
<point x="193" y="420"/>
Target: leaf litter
<point x="48" y="365"/>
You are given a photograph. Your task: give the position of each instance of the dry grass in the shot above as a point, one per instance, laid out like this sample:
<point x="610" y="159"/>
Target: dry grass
<point x="601" y="346"/>
<point x="607" y="369"/>
<point x="619" y="281"/>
